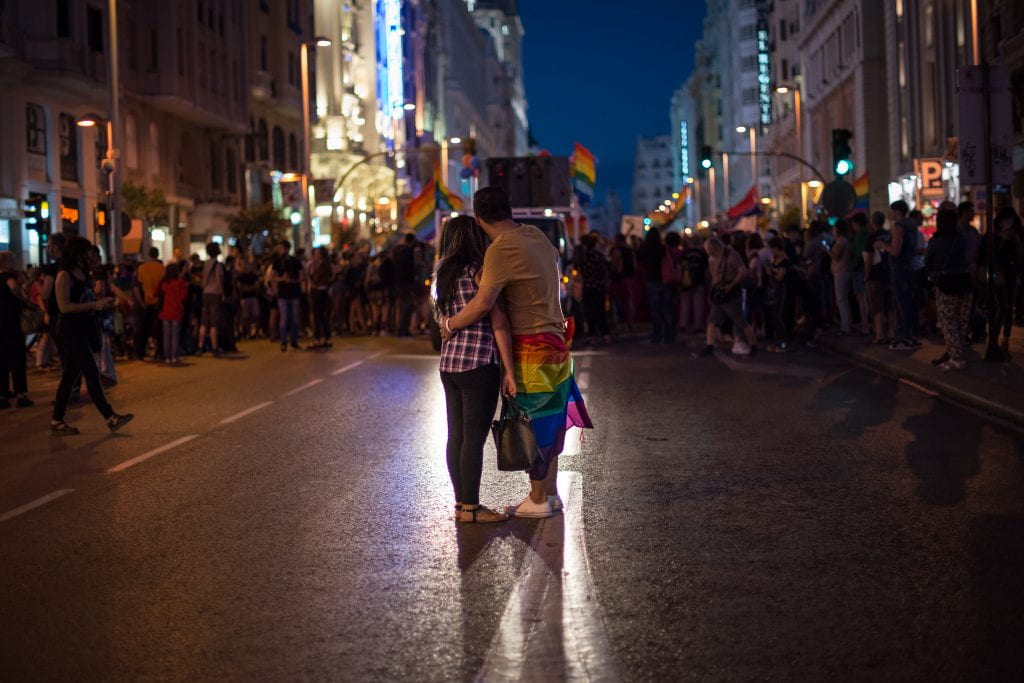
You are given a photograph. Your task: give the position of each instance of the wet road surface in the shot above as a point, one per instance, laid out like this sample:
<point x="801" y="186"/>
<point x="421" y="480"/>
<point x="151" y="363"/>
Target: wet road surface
<point x="283" y="516"/>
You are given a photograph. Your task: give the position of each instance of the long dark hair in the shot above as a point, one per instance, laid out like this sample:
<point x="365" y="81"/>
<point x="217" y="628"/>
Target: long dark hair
<point x="76" y="254"/>
<point x="462" y="246"/>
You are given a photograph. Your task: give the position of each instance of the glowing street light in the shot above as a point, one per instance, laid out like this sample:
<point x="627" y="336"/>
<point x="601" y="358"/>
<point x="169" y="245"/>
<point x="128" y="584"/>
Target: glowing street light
<point x="741" y="129"/>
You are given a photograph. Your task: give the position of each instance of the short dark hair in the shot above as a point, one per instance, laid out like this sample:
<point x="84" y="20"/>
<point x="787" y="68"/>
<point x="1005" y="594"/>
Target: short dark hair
<point x="673" y="238"/>
<point x="964" y="208"/>
<point x="286" y="244"/>
<point x="154" y="252"/>
<point x="878" y="219"/>
<point x="900" y="205"/>
<point x="213" y="250"/>
<point x="409" y="238"/>
<point x="776" y="243"/>
<point x="946" y="222"/>
<point x="859" y="219"/>
<point x="491" y="205"/>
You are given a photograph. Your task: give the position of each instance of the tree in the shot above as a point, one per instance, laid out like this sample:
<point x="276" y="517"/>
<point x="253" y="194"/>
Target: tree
<point x="249" y="223"/>
<point x="142" y="203"/>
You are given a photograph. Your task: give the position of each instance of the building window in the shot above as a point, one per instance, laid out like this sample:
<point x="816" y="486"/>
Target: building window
<point x="215" y="171"/>
<point x="214" y="76"/>
<point x="231" y="166"/>
<point x="750" y="96"/>
<point x="748" y="32"/>
<point x="782" y="29"/>
<point x="154" y="51"/>
<point x="63" y="19"/>
<point x="68" y="148"/>
<point x="785" y="70"/>
<point x="94" y="29"/>
<point x="291" y="69"/>
<point x="181" y="53"/>
<point x="748" y="63"/>
<point x="293" y="153"/>
<point x="131" y="142"/>
<point x="279" y="159"/>
<point x="262" y="142"/>
<point x="131" y="46"/>
<point x="35" y="129"/>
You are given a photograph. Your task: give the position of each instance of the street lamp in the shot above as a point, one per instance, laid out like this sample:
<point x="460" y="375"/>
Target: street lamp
<point x="785" y="90"/>
<point x="109" y="167"/>
<point x="318" y="41"/>
<point x="753" y="150"/>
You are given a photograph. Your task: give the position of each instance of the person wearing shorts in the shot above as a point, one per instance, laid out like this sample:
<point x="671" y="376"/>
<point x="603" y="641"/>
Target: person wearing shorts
<point x="213" y="299"/>
<point x="727" y="274"/>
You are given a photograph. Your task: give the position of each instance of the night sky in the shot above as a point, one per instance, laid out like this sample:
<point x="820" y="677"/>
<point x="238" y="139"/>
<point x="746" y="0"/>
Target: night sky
<point x="603" y="72"/>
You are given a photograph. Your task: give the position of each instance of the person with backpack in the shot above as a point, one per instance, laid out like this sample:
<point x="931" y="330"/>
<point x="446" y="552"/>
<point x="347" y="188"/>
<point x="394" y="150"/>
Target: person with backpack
<point x="213" y="300"/>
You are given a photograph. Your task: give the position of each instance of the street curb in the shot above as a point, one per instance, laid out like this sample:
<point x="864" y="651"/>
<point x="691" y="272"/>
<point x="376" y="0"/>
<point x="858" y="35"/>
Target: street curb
<point x="932" y="383"/>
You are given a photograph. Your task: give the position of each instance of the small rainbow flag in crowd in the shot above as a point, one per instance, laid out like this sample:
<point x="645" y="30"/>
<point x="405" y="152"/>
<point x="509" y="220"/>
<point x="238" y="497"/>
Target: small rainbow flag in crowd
<point x="863" y="192"/>
<point x="435" y="196"/>
<point x="584" y="172"/>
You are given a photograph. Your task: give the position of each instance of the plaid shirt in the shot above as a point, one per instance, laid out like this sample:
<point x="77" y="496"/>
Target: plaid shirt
<point x="471" y="347"/>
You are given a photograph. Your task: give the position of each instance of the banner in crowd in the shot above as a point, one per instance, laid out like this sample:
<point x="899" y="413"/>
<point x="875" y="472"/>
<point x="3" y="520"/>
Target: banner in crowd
<point x="584" y="173"/>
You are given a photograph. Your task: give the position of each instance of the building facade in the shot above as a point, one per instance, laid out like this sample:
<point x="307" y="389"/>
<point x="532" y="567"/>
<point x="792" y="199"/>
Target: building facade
<point x="653" y="178"/>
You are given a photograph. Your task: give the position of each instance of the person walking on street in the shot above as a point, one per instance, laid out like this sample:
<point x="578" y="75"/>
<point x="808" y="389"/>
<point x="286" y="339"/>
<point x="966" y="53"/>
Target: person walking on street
<point x="78" y="335"/>
<point x="521" y="266"/>
<point x="173" y="292"/>
<point x="470" y="373"/>
<point x="149" y="276"/>
<point x="727" y="276"/>
<point x="652" y="254"/>
<point x="842" y="273"/>
<point x="13" y="374"/>
<point x="213" y="299"/>
<point x="902" y="250"/>
<point x="288" y="280"/>
<point x="595" y="271"/>
<point x="946" y="261"/>
<point x="320" y="277"/>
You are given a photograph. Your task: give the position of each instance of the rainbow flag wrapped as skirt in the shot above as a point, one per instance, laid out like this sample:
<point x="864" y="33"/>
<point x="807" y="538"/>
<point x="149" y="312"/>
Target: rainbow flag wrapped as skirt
<point x="548" y="393"/>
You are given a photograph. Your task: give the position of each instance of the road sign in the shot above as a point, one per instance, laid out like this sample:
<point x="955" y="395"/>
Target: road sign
<point x="970" y="101"/>
<point x="838" y="198"/>
<point x="929" y="171"/>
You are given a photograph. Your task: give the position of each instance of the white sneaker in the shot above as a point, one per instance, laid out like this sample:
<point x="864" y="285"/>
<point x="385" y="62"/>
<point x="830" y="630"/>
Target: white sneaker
<point x="556" y="503"/>
<point x="530" y="509"/>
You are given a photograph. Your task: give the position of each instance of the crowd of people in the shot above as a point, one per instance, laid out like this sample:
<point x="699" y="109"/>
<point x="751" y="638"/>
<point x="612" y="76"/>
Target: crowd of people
<point x="155" y="311"/>
<point x="872" y="276"/>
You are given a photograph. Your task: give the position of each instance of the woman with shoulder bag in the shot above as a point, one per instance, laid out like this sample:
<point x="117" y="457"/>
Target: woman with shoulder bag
<point x="79" y="336"/>
<point x="470" y="373"/>
<point x="946" y="261"/>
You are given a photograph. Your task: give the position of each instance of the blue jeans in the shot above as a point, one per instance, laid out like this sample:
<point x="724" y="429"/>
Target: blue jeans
<point x="288" y="319"/>
<point x="172" y="334"/>
<point x="655" y="302"/>
<point x="903" y="293"/>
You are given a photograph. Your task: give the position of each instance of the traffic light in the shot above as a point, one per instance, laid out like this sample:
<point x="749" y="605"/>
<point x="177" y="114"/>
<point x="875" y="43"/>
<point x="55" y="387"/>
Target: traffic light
<point x="842" y="153"/>
<point x="37" y="213"/>
<point x="705" y="157"/>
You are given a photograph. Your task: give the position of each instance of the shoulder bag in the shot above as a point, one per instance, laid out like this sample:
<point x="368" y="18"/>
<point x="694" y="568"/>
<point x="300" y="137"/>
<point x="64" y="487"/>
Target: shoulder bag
<point x="514" y="438"/>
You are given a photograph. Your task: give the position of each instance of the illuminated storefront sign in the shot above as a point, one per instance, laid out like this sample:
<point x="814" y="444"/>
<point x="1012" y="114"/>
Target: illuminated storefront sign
<point x="684" y="149"/>
<point x="390" y="94"/>
<point x="764" y="76"/>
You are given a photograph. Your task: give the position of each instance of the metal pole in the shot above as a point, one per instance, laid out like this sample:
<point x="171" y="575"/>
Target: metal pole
<point x="711" y="176"/>
<point x="975" y="43"/>
<point x="753" y="157"/>
<point x="114" y="132"/>
<point x="992" y="351"/>
<point x="725" y="177"/>
<point x="307" y="224"/>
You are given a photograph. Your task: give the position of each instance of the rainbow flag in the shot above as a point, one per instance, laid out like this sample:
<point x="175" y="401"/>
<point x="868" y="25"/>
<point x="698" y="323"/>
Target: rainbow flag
<point x="434" y="196"/>
<point x="584" y="172"/>
<point x="547" y="392"/>
<point x="863" y="192"/>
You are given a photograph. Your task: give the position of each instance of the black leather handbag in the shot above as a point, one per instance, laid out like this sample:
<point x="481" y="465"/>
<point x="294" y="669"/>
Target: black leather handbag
<point x="514" y="438"/>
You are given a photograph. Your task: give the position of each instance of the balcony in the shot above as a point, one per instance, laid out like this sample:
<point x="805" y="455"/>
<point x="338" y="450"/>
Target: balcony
<point x="261" y="86"/>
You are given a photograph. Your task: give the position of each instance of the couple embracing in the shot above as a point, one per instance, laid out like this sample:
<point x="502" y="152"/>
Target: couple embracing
<point x="503" y="331"/>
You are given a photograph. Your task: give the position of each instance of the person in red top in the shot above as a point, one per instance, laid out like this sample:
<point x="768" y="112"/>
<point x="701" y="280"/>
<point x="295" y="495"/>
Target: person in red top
<point x="172" y="291"/>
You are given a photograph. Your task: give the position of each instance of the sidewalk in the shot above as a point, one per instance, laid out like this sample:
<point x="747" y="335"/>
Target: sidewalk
<point x="993" y="388"/>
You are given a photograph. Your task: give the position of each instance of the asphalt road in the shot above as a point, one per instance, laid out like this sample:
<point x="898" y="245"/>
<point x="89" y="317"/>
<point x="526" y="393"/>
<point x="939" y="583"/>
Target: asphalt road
<point x="287" y="516"/>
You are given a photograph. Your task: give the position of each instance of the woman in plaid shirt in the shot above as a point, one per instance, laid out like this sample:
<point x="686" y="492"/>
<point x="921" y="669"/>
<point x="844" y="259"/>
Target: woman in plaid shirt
<point x="470" y="372"/>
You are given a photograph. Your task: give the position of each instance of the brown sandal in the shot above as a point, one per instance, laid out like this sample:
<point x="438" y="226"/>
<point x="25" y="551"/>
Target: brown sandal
<point x="479" y="515"/>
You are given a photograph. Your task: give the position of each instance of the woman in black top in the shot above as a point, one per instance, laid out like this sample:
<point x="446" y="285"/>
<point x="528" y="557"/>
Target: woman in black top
<point x="652" y="253"/>
<point x="79" y="336"/>
<point x="946" y="263"/>
<point x="12" y="340"/>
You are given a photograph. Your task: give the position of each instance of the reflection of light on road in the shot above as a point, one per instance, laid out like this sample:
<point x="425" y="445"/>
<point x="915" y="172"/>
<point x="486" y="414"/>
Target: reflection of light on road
<point x="432" y="475"/>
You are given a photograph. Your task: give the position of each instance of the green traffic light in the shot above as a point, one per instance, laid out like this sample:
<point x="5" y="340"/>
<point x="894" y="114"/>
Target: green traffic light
<point x="706" y="163"/>
<point x="844" y="166"/>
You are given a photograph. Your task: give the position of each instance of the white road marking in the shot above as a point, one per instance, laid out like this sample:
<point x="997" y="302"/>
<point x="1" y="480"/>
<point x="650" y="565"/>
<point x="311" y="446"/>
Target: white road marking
<point x="765" y="369"/>
<point x="551" y="628"/>
<point x="376" y="355"/>
<point x="583" y="381"/>
<point x="347" y="367"/>
<point x="247" y="411"/>
<point x="307" y="385"/>
<point x="34" y="504"/>
<point x="586" y="362"/>
<point x="149" y="454"/>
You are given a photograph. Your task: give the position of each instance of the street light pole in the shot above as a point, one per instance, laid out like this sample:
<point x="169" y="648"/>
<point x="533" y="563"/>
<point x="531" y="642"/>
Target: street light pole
<point x="307" y="218"/>
<point x="113" y="137"/>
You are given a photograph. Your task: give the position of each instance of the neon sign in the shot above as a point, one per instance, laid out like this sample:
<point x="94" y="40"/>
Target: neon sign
<point x="764" y="77"/>
<point x="684" y="149"/>
<point x="390" y="91"/>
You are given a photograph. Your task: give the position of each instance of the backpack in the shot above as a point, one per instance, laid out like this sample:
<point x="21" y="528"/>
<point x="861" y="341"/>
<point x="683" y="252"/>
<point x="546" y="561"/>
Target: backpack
<point x="672" y="269"/>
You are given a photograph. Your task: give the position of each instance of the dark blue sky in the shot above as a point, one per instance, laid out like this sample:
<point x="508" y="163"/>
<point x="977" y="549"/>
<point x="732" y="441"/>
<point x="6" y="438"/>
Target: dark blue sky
<point x="603" y="72"/>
